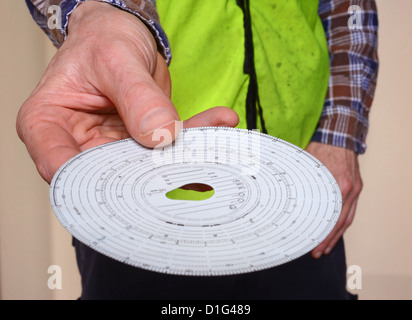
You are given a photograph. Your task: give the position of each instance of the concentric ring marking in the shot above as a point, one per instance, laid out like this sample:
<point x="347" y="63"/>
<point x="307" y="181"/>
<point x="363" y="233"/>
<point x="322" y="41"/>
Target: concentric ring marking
<point x="273" y="202"/>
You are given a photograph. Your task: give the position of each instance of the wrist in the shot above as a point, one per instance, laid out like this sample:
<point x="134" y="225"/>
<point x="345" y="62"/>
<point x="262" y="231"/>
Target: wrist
<point x="98" y="28"/>
<point x="93" y="19"/>
<point x="87" y="11"/>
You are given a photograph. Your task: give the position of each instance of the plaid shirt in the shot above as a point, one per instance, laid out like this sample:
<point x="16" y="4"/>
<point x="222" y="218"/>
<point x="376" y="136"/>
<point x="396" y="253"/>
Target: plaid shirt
<point x="351" y="28"/>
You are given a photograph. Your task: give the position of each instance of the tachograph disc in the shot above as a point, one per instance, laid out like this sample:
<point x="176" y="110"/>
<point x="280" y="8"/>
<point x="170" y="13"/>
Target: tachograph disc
<point x="272" y="202"/>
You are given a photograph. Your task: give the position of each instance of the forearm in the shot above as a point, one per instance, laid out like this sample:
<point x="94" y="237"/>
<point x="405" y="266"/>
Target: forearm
<point x="353" y="73"/>
<point x="42" y="12"/>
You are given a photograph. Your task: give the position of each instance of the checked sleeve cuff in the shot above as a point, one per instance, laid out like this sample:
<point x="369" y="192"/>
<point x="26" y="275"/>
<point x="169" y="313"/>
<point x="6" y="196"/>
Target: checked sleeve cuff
<point x="145" y="10"/>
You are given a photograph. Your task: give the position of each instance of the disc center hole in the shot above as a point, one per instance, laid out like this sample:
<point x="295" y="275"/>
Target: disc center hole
<point x="192" y="192"/>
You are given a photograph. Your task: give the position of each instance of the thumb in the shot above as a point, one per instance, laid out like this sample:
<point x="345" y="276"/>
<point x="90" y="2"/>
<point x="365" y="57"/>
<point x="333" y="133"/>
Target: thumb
<point x="142" y="99"/>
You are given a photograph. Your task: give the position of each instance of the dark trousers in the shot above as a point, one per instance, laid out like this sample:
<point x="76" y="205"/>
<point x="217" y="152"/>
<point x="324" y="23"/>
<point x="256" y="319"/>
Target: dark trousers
<point x="304" y="278"/>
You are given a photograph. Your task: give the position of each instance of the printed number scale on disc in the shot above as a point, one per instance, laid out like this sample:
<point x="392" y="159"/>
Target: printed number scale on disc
<point x="272" y="202"/>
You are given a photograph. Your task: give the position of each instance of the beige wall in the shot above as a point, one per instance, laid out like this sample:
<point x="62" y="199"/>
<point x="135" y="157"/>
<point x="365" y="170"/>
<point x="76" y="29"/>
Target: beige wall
<point x="379" y="241"/>
<point x="30" y="238"/>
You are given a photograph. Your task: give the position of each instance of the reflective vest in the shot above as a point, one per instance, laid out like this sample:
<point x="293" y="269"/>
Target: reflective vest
<point x="290" y="56"/>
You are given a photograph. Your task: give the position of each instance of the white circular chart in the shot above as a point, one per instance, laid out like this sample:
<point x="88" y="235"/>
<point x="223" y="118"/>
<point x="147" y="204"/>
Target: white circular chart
<point x="272" y="202"/>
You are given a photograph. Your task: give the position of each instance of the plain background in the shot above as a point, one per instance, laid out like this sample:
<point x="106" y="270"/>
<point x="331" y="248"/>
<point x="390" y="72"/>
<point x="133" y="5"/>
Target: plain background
<point x="378" y="243"/>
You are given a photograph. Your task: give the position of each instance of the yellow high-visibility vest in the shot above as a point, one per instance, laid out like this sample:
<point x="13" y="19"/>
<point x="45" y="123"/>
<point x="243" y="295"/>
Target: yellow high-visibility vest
<point x="291" y="59"/>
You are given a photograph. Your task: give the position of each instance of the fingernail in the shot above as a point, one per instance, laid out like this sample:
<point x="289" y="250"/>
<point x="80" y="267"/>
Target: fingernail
<point x="328" y="250"/>
<point x="317" y="255"/>
<point x="155" y="119"/>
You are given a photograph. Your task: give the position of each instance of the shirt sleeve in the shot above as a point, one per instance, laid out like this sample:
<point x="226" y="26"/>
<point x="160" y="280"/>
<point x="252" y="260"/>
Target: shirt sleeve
<point x="44" y="12"/>
<point x="351" y="29"/>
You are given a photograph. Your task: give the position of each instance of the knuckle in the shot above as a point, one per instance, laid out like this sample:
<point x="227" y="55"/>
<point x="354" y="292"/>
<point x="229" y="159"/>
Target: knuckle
<point x="23" y="119"/>
<point x="349" y="184"/>
<point x="346" y="184"/>
<point x="359" y="186"/>
<point x="348" y="223"/>
<point x="31" y="114"/>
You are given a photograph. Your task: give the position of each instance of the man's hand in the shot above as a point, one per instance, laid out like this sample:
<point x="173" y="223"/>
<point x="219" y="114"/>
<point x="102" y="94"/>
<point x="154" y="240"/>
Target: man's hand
<point x="107" y="82"/>
<point x="343" y="164"/>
